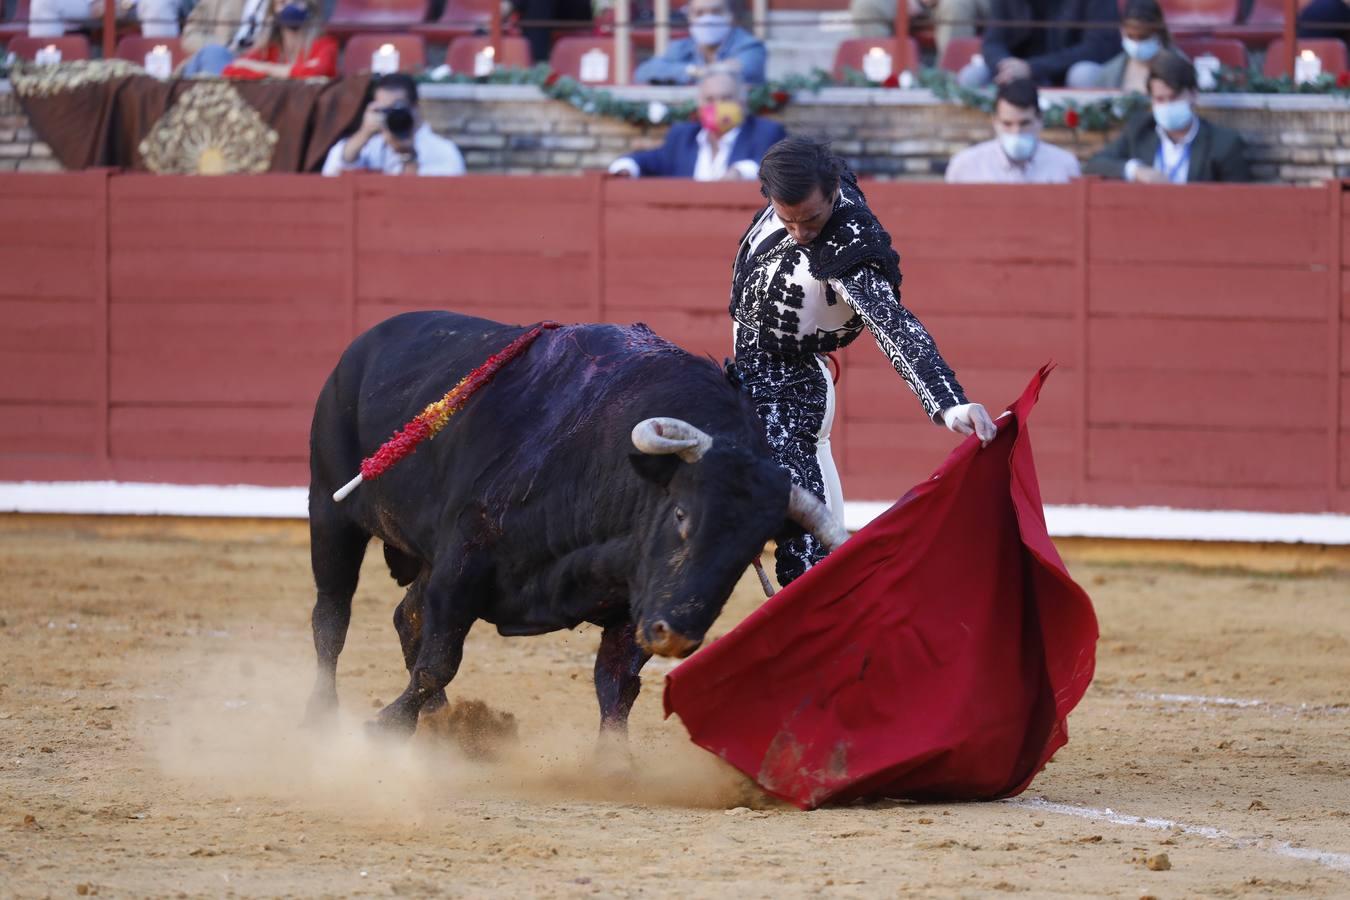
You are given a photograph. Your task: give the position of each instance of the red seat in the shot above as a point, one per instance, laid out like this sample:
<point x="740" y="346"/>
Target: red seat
<point x="72" y="46"/>
<point x="642" y="35"/>
<point x="958" y="53"/>
<point x="568" y="52"/>
<point x="1229" y="51"/>
<point x="17" y="25"/>
<point x="1330" y="50"/>
<point x="852" y="51"/>
<point x="1199" y="15"/>
<point x="459" y="18"/>
<point x="356" y="55"/>
<point x="134" y="47"/>
<point x="514" y="53"/>
<point x="1264" y="23"/>
<point x="355" y="16"/>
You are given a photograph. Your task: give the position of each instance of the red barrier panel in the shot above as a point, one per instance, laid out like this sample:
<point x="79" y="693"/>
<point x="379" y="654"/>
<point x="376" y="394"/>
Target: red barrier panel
<point x="178" y="329"/>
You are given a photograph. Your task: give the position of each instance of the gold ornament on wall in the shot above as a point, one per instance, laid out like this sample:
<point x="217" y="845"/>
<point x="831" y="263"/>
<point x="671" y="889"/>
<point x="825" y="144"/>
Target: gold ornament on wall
<point x="211" y="130"/>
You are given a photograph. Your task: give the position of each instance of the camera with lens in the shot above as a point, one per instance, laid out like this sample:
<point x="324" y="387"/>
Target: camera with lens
<point x="399" y="120"/>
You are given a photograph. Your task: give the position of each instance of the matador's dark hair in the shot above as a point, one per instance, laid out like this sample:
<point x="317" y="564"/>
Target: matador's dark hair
<point x="795" y="166"/>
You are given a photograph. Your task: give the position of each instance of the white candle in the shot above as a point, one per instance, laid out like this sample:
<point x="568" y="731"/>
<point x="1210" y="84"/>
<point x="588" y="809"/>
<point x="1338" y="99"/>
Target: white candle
<point x="484" y="61"/>
<point x="384" y="61"/>
<point x="877" y="65"/>
<point x="49" y="55"/>
<point x="595" y="65"/>
<point x="1207" y="71"/>
<point x="159" y="62"/>
<point x="1308" y="67"/>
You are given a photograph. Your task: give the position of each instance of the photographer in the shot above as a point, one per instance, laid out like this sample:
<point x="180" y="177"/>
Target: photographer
<point x="392" y="137"/>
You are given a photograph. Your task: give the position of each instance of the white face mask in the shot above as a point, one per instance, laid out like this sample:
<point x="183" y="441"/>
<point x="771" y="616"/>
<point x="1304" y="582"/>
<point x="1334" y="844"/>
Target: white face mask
<point x="710" y="30"/>
<point x="1019" y="147"/>
<point x="1141" y="50"/>
<point x="1173" y="116"/>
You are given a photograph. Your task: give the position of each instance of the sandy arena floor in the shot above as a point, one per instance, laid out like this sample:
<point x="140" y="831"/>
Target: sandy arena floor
<point x="152" y="674"/>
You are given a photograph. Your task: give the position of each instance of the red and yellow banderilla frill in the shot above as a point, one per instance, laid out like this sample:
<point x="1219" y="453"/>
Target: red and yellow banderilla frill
<point x="432" y="419"/>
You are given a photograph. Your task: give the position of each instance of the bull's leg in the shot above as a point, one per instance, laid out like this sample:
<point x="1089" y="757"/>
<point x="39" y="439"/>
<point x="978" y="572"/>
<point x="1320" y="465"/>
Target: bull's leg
<point x="446" y="620"/>
<point x="336" y="549"/>
<point x="408" y="624"/>
<point x="618" y="665"/>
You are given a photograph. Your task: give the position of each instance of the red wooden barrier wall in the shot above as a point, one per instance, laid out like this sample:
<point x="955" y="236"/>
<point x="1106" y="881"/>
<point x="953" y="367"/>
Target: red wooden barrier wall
<point x="178" y="329"/>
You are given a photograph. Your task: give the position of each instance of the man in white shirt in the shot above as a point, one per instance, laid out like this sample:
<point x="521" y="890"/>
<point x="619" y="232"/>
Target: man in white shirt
<point x="392" y="138"/>
<point x="1016" y="155"/>
<point x="725" y="144"/>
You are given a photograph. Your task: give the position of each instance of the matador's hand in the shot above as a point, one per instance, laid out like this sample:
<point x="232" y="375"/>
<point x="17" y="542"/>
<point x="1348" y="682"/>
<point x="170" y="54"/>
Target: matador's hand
<point x="971" y="418"/>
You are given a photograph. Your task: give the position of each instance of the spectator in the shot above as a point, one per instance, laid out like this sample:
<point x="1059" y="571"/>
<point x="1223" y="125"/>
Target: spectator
<point x="1325" y="18"/>
<point x="1143" y="32"/>
<point x="713" y="37"/>
<point x="53" y="18"/>
<point x="725" y="144"/>
<point x="1043" y="54"/>
<point x="291" y="46"/>
<point x="1016" y="155"/>
<point x="1172" y="143"/>
<point x="950" y="18"/>
<point x="392" y="137"/>
<point x="217" y="31"/>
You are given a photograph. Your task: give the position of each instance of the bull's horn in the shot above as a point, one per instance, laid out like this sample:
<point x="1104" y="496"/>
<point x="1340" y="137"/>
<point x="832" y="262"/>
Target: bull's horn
<point x="659" y="436"/>
<point x="815" y="518"/>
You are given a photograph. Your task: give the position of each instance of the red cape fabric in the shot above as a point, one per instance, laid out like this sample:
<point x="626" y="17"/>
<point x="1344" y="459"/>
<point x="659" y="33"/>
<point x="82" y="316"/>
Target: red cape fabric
<point x="934" y="656"/>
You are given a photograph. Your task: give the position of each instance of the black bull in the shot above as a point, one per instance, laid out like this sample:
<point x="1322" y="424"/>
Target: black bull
<point x="603" y="476"/>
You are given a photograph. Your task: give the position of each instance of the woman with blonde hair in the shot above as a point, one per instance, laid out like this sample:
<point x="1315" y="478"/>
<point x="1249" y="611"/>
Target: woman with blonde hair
<point x="292" y="47"/>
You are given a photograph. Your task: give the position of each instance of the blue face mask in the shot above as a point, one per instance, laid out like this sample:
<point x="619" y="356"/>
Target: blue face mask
<point x="1141" y="50"/>
<point x="1019" y="147"/>
<point x="293" y="15"/>
<point x="1173" y="116"/>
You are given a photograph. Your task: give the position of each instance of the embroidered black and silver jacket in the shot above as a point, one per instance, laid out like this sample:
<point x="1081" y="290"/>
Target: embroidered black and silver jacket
<point x="790" y="300"/>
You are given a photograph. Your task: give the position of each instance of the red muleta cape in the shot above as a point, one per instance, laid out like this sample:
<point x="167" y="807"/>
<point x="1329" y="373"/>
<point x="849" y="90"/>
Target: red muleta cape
<point x="935" y="656"/>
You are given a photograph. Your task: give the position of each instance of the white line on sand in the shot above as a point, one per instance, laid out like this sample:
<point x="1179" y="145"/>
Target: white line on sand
<point x="1338" y="861"/>
<point x="1240" y="703"/>
<point x="129" y="498"/>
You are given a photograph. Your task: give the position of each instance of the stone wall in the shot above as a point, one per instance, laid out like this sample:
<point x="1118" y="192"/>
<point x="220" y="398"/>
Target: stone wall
<point x="884" y="133"/>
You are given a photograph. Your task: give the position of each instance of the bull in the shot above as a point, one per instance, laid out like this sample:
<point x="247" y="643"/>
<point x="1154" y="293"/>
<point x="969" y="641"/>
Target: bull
<point x="604" y="476"/>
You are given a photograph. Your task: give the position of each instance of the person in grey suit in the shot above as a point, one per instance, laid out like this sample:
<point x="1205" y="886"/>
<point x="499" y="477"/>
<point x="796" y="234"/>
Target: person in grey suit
<point x="1171" y="144"/>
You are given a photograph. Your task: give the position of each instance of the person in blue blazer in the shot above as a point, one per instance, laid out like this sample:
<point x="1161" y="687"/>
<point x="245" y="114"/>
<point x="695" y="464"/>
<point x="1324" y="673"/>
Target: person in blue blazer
<point x="724" y="144"/>
<point x="714" y="37"/>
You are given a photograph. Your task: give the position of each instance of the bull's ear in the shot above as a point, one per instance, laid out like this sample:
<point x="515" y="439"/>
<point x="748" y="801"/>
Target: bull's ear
<point x="658" y="469"/>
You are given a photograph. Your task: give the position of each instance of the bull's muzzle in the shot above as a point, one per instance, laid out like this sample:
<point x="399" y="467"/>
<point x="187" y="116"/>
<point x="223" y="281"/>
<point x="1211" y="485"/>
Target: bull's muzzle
<point x="660" y="639"/>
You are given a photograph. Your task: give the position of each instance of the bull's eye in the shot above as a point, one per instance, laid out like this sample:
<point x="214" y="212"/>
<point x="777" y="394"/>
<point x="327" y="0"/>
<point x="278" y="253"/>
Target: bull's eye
<point x="680" y="515"/>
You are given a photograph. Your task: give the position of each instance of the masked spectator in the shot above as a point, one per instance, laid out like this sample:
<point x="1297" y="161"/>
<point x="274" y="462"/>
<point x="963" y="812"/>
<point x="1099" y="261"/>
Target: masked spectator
<point x="1016" y="155"/>
<point x="292" y="46"/>
<point x="1011" y="51"/>
<point x="217" y="31"/>
<point x="1143" y="33"/>
<point x="713" y="37"/>
<point x="1171" y="143"/>
<point x="950" y="18"/>
<point x="392" y="137"/>
<point x="53" y="18"/>
<point x="725" y="144"/>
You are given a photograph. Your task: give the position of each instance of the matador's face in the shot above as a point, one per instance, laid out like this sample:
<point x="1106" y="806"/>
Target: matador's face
<point x="805" y="220"/>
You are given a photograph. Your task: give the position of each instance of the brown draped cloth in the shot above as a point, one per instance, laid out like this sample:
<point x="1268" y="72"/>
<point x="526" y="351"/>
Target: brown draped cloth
<point x="108" y="113"/>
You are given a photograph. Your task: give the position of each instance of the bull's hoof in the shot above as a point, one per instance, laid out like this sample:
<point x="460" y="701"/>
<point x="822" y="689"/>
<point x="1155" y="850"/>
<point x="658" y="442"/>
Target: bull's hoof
<point x="613" y="756"/>
<point x="394" y="721"/>
<point x="320" y="713"/>
<point x="435" y="702"/>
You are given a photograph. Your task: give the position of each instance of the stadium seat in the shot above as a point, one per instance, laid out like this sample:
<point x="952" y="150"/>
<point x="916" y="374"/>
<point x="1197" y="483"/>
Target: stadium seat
<point x="643" y="34"/>
<point x="1263" y="24"/>
<point x="17" y="25"/>
<point x="459" y="18"/>
<point x="134" y="47"/>
<point x="852" y="51"/>
<point x="1199" y="16"/>
<point x="356" y="16"/>
<point x="958" y="53"/>
<point x="72" y="46"/>
<point x="1229" y="51"/>
<point x="1330" y="50"/>
<point x="356" y="55"/>
<point x="515" y="53"/>
<point x="568" y="52"/>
